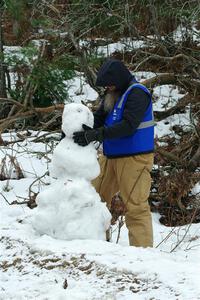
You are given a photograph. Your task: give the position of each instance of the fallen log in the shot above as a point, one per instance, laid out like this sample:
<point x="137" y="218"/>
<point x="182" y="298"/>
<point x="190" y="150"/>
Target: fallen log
<point x="6" y="122"/>
<point x="188" y="84"/>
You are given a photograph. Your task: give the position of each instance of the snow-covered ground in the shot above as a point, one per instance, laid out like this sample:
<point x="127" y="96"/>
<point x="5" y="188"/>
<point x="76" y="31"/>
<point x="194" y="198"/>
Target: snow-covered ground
<point x="41" y="267"/>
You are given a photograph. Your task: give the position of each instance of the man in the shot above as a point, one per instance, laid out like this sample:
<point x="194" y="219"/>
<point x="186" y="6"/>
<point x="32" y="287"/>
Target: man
<point x="124" y="123"/>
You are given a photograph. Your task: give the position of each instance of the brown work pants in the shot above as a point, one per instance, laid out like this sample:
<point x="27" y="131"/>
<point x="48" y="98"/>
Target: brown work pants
<point x="131" y="176"/>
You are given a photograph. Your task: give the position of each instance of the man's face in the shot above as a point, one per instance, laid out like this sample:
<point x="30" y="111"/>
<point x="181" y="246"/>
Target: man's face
<point x="110" y="88"/>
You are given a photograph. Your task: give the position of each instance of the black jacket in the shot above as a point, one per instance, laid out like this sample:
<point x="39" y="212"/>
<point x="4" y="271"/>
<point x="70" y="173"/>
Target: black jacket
<point x="114" y="72"/>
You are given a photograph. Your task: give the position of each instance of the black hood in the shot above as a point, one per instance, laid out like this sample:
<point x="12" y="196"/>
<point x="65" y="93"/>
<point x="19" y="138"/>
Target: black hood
<point x="114" y="72"/>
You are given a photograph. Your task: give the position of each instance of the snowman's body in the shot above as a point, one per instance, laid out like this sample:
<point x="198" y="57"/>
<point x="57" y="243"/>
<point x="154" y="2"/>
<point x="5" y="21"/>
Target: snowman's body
<point x="70" y="208"/>
<point x="73" y="161"/>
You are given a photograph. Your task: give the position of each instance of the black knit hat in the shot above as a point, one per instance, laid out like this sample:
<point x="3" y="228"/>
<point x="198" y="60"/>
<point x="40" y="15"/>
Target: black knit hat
<point x="114" y="72"/>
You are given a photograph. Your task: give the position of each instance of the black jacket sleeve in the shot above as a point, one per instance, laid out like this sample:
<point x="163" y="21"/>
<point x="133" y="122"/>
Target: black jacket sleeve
<point x="134" y="111"/>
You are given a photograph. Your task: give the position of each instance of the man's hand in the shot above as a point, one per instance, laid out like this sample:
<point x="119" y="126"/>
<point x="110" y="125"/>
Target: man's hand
<point x="83" y="138"/>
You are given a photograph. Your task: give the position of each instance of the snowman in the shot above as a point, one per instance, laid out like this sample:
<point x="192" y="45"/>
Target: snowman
<point x="70" y="207"/>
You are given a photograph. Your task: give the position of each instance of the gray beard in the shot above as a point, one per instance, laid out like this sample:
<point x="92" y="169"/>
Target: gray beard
<point x="110" y="100"/>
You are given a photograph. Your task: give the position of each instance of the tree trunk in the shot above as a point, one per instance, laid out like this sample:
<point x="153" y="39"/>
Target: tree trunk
<point x="3" y="93"/>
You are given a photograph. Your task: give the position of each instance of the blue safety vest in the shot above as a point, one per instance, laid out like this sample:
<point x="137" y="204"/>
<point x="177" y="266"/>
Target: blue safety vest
<point x="142" y="141"/>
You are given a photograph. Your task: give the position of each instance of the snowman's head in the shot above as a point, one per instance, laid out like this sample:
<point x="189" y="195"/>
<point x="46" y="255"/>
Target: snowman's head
<point x="74" y="116"/>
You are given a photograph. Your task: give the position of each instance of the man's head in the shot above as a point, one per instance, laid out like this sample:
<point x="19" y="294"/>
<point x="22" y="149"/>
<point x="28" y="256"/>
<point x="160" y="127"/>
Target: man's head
<point x="114" y="75"/>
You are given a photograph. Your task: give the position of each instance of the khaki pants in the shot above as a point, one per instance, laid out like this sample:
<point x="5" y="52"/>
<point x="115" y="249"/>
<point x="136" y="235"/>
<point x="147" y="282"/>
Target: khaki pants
<point x="131" y="176"/>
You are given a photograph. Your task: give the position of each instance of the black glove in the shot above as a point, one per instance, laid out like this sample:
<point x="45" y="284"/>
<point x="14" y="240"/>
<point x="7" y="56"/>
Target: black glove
<point x="83" y="138"/>
<point x="62" y="135"/>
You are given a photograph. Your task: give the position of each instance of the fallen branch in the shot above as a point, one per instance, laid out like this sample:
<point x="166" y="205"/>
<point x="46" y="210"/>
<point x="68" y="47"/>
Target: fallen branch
<point x="171" y="157"/>
<point x="178" y="108"/>
<point x="5" y="198"/>
<point x="167" y="59"/>
<point x="195" y="161"/>
<point x="5" y="123"/>
<point x="14" y="102"/>
<point x="185" y="82"/>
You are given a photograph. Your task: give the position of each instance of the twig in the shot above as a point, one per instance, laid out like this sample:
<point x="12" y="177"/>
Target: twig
<point x="5" y="198"/>
<point x="121" y="223"/>
<point x="37" y="179"/>
<point x="167" y="236"/>
<point x="178" y="244"/>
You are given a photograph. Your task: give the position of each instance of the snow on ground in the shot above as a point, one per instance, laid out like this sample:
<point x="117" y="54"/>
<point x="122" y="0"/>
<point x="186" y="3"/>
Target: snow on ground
<point x="126" y="44"/>
<point x="79" y="90"/>
<point x="167" y="95"/>
<point x="40" y="267"/>
<point x="121" y="46"/>
<point x="182" y="33"/>
<point x="44" y="268"/>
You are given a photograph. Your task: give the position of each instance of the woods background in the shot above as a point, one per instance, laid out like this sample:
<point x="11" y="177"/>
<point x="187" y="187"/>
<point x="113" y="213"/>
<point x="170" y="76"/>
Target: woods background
<point x="56" y="40"/>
